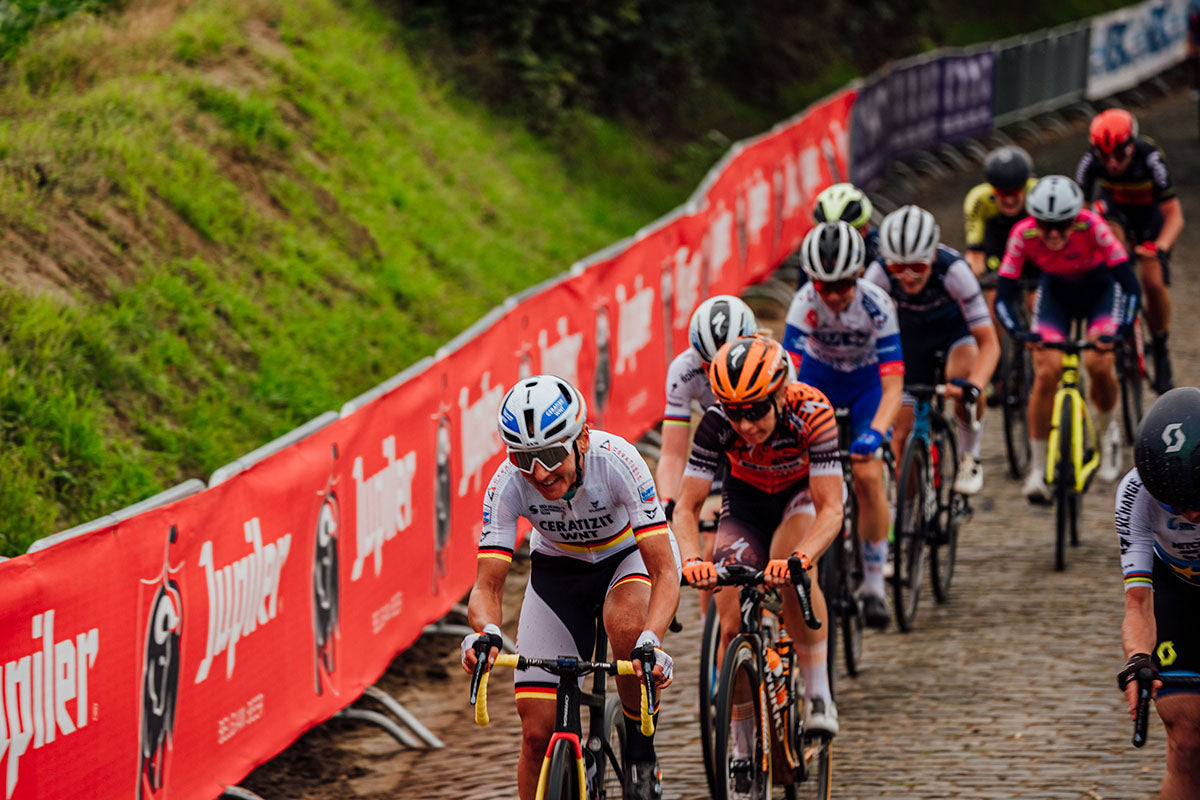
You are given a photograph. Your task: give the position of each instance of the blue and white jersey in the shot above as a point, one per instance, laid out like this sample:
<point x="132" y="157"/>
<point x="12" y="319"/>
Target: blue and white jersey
<point x="1146" y="531"/>
<point x="865" y="334"/>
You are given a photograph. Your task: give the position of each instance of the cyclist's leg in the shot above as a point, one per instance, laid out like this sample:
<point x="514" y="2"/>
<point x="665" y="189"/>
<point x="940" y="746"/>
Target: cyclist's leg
<point x="1053" y="323"/>
<point x="1177" y="649"/>
<point x="557" y="618"/>
<point x="1156" y="298"/>
<point x="1180" y="714"/>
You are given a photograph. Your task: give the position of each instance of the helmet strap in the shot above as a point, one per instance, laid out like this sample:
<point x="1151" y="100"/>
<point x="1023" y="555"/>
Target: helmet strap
<point x="574" y="487"/>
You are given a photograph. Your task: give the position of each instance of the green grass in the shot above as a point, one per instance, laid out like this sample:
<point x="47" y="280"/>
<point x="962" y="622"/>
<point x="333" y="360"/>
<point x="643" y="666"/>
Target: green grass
<point x="263" y="209"/>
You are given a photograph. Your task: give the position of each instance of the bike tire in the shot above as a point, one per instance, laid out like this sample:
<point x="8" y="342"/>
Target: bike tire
<point x="564" y="772"/>
<point x="943" y="548"/>
<point x="830" y="572"/>
<point x="908" y="549"/>
<point x="612" y="776"/>
<point x="741" y="670"/>
<point x="1016" y="421"/>
<point x="1129" y="374"/>
<point x="818" y="752"/>
<point x="709" y="677"/>
<point x="1064" y="484"/>
<point x="852" y="622"/>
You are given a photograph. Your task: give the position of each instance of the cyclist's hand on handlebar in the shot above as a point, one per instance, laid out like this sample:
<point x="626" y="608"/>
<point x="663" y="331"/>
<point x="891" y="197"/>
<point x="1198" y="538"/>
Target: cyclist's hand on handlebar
<point x="961" y="387"/>
<point x="1127" y="679"/>
<point x="699" y="573"/>
<point x="1105" y="343"/>
<point x="777" y="572"/>
<point x="664" y="665"/>
<point x="473" y="644"/>
<point x="866" y="444"/>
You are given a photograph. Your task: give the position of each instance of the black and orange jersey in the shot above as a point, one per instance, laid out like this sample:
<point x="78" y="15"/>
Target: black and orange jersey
<point x="1145" y="182"/>
<point x="803" y="443"/>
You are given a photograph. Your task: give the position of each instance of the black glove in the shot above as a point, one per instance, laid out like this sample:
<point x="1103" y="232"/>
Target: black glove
<point x="970" y="392"/>
<point x="669" y="509"/>
<point x="1136" y="662"/>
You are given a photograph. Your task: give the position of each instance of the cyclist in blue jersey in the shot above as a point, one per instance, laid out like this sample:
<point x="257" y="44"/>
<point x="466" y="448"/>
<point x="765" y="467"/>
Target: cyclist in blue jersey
<point x="941" y="309"/>
<point x="843" y="334"/>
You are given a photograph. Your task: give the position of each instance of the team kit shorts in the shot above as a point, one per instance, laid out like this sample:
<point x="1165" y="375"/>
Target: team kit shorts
<point x="749" y="518"/>
<point x="1176" y="608"/>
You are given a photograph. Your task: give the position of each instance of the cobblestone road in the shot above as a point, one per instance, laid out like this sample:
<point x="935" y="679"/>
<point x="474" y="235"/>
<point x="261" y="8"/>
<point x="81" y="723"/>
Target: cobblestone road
<point x="1008" y="691"/>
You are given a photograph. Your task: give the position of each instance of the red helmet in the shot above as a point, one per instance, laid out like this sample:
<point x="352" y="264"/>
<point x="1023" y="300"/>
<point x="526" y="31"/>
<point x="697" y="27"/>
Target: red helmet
<point x="1111" y="130"/>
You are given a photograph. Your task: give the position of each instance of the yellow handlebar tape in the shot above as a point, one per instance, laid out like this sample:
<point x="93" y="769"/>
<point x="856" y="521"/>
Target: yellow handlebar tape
<point x="481" y="715"/>
<point x="647" y="720"/>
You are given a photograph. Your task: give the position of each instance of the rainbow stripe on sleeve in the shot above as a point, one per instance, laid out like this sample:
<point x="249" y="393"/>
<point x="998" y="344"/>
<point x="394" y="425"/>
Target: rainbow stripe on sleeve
<point x="1138" y="579"/>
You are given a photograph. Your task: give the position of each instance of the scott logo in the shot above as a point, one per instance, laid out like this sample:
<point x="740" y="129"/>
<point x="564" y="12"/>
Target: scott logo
<point x="1173" y="437"/>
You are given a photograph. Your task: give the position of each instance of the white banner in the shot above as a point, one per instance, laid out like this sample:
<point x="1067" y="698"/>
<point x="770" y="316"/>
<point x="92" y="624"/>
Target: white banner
<point x="1135" y="43"/>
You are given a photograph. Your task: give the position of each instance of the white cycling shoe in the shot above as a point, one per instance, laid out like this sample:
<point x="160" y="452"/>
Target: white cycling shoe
<point x="820" y="715"/>
<point x="1110" y="453"/>
<point x="1035" y="488"/>
<point x="970" y="476"/>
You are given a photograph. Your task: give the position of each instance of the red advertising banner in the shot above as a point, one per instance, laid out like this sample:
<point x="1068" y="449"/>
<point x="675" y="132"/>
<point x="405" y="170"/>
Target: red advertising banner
<point x="168" y="655"/>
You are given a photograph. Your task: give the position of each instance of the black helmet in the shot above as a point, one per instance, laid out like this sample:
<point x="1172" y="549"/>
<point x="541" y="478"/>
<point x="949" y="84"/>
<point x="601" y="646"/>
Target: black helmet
<point x="1008" y="168"/>
<point x="1167" y="448"/>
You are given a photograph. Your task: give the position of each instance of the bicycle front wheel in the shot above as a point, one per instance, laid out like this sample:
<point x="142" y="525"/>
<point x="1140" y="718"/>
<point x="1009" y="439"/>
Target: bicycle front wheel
<point x="818" y="755"/>
<point x="743" y="754"/>
<point x="611" y="773"/>
<point x="563" y="778"/>
<point x="709" y="674"/>
<point x="1064" y="483"/>
<point x="908" y="549"/>
<point x="944" y="547"/>
<point x="1016" y="423"/>
<point x="851" y="572"/>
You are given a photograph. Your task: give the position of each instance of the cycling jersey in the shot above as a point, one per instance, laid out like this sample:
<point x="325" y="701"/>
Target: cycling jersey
<point x="614" y="508"/>
<point x="986" y="228"/>
<point x="951" y="292"/>
<point x="1145" y="182"/>
<point x="803" y="443"/>
<point x="865" y="334"/>
<point x="1090" y="246"/>
<point x="1147" y="532"/>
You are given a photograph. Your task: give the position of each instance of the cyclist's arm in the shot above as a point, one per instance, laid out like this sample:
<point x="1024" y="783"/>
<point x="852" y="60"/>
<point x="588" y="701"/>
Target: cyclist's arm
<point x="963" y="286"/>
<point x="659" y="558"/>
<point x="686" y="522"/>
<point x="977" y="261"/>
<point x="889" y="403"/>
<point x="1172" y="212"/>
<point x="826" y="489"/>
<point x="1138" y="629"/>
<point x="486" y="603"/>
<point x="672" y="458"/>
<point x="989" y="354"/>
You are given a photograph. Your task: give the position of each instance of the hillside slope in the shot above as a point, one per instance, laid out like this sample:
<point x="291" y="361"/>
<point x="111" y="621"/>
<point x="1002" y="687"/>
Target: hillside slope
<point x="221" y="218"/>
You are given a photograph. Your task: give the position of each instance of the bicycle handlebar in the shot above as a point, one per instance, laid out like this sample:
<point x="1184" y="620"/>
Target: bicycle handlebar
<point x="1145" y="680"/>
<point x="741" y="575"/>
<point x="555" y="666"/>
<point x="1077" y="346"/>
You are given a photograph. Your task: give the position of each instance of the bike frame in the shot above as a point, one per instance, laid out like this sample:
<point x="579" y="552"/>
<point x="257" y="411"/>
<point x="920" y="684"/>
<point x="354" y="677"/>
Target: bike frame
<point x="1080" y="421"/>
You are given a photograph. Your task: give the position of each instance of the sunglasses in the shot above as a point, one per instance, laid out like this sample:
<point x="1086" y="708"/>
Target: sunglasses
<point x="1116" y="155"/>
<point x="1007" y="193"/>
<point x="747" y="411"/>
<point x="834" y="287"/>
<point x="550" y="457"/>
<point x="1060" y="226"/>
<point x="915" y="269"/>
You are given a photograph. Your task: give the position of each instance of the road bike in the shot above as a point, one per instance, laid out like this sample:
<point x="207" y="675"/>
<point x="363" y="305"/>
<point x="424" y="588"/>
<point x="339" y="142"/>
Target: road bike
<point x="928" y="508"/>
<point x="1073" y="455"/>
<point x="575" y="769"/>
<point x="1016" y="380"/>
<point x="759" y="697"/>
<point x="1145" y="680"/>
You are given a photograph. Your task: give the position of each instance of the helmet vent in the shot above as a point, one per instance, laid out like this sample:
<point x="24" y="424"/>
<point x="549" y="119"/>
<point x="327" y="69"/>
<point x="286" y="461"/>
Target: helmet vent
<point x="529" y="420"/>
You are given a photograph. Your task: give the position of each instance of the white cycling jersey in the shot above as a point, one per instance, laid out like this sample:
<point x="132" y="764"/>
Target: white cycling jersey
<point x="866" y="333"/>
<point x="614" y="508"/>
<point x="1146" y="530"/>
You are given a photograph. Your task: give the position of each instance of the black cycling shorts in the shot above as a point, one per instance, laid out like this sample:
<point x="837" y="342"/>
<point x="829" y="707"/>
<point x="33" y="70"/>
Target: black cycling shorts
<point x="749" y="517"/>
<point x="921" y="342"/>
<point x="1176" y="609"/>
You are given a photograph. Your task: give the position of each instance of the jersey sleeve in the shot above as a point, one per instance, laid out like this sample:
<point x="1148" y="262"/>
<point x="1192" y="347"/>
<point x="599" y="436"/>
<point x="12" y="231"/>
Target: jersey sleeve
<point x="707" y="446"/>
<point x="877" y="274"/>
<point x="679" y="402"/>
<point x="633" y="487"/>
<point x="963" y="286"/>
<point x="501" y="508"/>
<point x="1134" y="535"/>
<point x="1160" y="175"/>
<point x="1014" y="253"/>
<point x="1085" y="175"/>
<point x="974" y="215"/>
<point x="887" y="335"/>
<point x="1110" y="248"/>
<point x="797" y="325"/>
<point x="820" y="432"/>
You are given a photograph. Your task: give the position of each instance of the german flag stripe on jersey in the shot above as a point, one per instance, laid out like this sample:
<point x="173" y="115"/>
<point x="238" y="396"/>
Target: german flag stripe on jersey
<point x="492" y="551"/>
<point x="633" y="579"/>
<point x="650" y="530"/>
<point x="1139" y="579"/>
<point x="669" y="420"/>
<point x="601" y="546"/>
<point x="535" y="691"/>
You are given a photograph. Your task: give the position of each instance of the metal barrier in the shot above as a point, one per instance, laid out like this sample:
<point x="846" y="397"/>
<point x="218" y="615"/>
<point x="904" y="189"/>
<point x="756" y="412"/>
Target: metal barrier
<point x="1040" y="72"/>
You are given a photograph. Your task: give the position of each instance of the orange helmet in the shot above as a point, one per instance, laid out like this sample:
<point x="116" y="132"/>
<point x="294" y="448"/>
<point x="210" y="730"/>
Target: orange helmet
<point x="748" y="369"/>
<point x="1111" y="130"/>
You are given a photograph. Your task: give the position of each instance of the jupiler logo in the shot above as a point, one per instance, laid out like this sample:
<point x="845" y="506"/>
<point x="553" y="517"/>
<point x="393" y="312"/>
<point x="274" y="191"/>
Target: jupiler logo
<point x="160" y="675"/>
<point x="384" y="504"/>
<point x="633" y="331"/>
<point x="242" y="595"/>
<point x="45" y="692"/>
<point x="326" y="594"/>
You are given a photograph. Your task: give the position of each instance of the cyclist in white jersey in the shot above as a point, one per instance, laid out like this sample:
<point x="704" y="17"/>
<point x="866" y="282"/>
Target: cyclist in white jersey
<point x="843" y="334"/>
<point x="1158" y="528"/>
<point x="599" y="540"/>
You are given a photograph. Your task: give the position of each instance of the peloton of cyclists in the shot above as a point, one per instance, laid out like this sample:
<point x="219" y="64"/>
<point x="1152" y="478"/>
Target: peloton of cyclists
<point x="843" y="334"/>
<point x="941" y="309"/>
<point x="782" y="496"/>
<point x="1135" y="194"/>
<point x="600" y="542"/>
<point x="1158" y="529"/>
<point x="1085" y="274"/>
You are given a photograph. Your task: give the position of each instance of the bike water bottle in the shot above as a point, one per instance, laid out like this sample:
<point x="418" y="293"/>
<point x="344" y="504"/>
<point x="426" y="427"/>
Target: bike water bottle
<point x="775" y="681"/>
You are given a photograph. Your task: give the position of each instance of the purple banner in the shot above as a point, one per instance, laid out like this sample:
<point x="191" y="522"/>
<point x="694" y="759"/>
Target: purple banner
<point x="915" y="106"/>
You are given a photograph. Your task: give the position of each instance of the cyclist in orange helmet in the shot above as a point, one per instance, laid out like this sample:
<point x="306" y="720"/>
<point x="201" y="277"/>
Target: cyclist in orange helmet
<point x="782" y="496"/>
<point x="1127" y="177"/>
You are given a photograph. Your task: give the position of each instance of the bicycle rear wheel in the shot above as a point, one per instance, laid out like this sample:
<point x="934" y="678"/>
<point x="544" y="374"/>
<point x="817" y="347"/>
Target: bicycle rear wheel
<point x="1016" y="423"/>
<point x="851" y="623"/>
<point x="564" y="772"/>
<point x="1131" y="362"/>
<point x="830" y="574"/>
<point x="908" y="549"/>
<point x="944" y="547"/>
<point x="709" y="674"/>
<point x="742" y="767"/>
<point x="818" y="755"/>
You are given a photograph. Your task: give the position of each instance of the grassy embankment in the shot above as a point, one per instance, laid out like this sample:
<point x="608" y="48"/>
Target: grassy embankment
<point x="224" y="218"/>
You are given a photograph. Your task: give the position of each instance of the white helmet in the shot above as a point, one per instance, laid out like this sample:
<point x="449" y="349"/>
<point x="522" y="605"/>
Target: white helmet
<point x="832" y="251"/>
<point x="719" y="319"/>
<point x="541" y="410"/>
<point x="1055" y="198"/>
<point x="909" y="235"/>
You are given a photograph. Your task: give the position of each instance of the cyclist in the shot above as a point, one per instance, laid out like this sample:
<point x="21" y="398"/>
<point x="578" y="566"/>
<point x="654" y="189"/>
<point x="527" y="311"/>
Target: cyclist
<point x="843" y="334"/>
<point x="941" y="309"/>
<point x="848" y="203"/>
<point x="1158" y="528"/>
<point x="1130" y="176"/>
<point x="599" y="539"/>
<point x="783" y="496"/>
<point x="1085" y="274"/>
<point x="993" y="207"/>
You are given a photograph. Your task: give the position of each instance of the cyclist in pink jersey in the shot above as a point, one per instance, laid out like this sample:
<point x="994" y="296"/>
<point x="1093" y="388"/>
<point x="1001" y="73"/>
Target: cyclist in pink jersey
<point x="1085" y="275"/>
